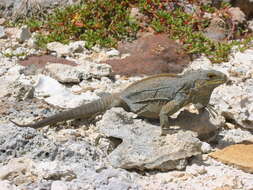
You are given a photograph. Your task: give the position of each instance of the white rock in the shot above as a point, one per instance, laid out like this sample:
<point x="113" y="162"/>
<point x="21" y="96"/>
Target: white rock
<point x="205" y="147"/>
<point x="2" y="21"/>
<point x="113" y="53"/>
<point x="32" y="42"/>
<point x="142" y="146"/>
<point x="64" y="73"/>
<point x="6" y="185"/>
<point x="59" y="185"/>
<point x="236" y="14"/>
<point x="23" y="34"/>
<point x="74" y="74"/>
<point x="2" y="32"/>
<point x="59" y="48"/>
<point x="100" y="70"/>
<point x="76" y="47"/>
<point x="55" y="93"/>
<point x="196" y="170"/>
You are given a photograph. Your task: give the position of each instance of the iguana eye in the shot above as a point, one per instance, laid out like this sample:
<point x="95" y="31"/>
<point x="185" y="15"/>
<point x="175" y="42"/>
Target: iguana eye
<point x="211" y="75"/>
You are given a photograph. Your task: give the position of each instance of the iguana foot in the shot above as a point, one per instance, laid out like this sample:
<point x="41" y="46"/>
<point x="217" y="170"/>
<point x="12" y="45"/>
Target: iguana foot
<point x="211" y="110"/>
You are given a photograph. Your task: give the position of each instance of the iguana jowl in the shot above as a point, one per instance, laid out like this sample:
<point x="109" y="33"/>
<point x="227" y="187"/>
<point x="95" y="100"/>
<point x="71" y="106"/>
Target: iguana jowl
<point x="158" y="96"/>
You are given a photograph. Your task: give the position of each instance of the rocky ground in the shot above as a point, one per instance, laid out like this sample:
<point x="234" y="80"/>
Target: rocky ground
<point x="117" y="150"/>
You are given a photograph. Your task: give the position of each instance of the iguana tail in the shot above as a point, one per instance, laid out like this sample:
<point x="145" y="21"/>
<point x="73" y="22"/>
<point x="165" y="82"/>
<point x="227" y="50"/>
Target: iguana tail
<point x="83" y="111"/>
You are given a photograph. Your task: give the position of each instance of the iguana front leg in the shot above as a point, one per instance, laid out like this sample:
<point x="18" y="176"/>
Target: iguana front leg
<point x="168" y="109"/>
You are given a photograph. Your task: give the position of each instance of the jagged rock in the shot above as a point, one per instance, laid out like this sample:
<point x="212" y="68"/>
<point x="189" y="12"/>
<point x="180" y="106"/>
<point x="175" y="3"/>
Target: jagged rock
<point x="59" y="185"/>
<point x="2" y="32"/>
<point x="216" y="29"/>
<point x="21" y="8"/>
<point x="142" y="146"/>
<point x="18" y="170"/>
<point x="237" y="15"/>
<point x="8" y="78"/>
<point x="76" y="47"/>
<point x="66" y="50"/>
<point x="2" y="21"/>
<point x="55" y="93"/>
<point x="6" y="185"/>
<point x="232" y="136"/>
<point x="245" y="5"/>
<point x="23" y="34"/>
<point x="112" y="53"/>
<point x="64" y="73"/>
<point x="195" y="169"/>
<point x="59" y="48"/>
<point x="70" y="74"/>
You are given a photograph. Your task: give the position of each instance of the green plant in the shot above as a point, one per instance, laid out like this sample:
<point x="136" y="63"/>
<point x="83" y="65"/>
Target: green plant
<point x="106" y="22"/>
<point x="97" y="22"/>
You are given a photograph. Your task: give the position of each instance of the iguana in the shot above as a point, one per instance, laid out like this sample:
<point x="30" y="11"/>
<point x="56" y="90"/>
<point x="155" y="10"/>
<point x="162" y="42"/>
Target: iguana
<point x="158" y="96"/>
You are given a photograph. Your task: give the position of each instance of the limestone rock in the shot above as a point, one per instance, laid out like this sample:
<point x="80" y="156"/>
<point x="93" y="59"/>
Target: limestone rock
<point x="239" y="155"/>
<point x="59" y="185"/>
<point x="2" y="21"/>
<point x="64" y="73"/>
<point x="55" y="93"/>
<point x="112" y="53"/>
<point x="23" y="34"/>
<point x="237" y="15"/>
<point x="216" y="29"/>
<point x="77" y="46"/>
<point x="245" y="5"/>
<point x="142" y="146"/>
<point x="59" y="48"/>
<point x="6" y="185"/>
<point x="70" y="74"/>
<point x="18" y="170"/>
<point x="22" y="9"/>
<point x="2" y="32"/>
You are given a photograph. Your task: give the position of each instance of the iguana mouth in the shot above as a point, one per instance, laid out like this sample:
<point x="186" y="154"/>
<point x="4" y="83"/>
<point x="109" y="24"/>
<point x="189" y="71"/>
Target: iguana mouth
<point x="218" y="81"/>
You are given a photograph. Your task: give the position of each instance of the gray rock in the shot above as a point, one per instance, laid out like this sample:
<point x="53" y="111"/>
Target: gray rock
<point x="27" y="142"/>
<point x="64" y="73"/>
<point x="74" y="74"/>
<point x="232" y="136"/>
<point x="23" y="34"/>
<point x="99" y="70"/>
<point x="216" y="29"/>
<point x="21" y="8"/>
<point x="59" y="48"/>
<point x="112" y="53"/>
<point x="206" y="148"/>
<point x="76" y="47"/>
<point x="237" y="15"/>
<point x="57" y="94"/>
<point x="59" y="185"/>
<point x="6" y="185"/>
<point x="142" y="146"/>
<point x="2" y="32"/>
<point x="2" y="21"/>
<point x="195" y="169"/>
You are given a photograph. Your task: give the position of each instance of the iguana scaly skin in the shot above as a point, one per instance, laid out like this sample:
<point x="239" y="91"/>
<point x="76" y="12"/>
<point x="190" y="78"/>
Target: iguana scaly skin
<point x="158" y="96"/>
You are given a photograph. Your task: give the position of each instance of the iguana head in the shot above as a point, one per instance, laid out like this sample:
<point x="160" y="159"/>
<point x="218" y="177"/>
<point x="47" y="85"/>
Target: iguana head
<point x="206" y="79"/>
